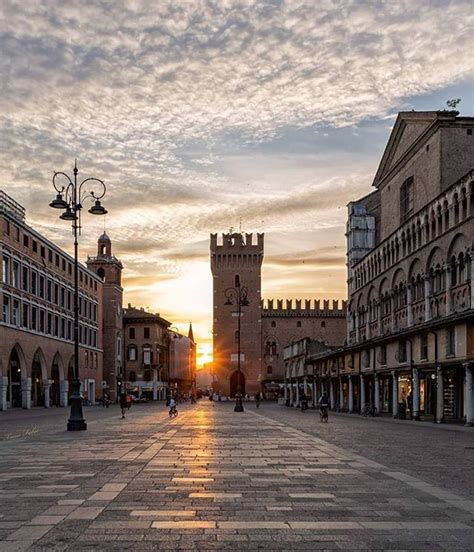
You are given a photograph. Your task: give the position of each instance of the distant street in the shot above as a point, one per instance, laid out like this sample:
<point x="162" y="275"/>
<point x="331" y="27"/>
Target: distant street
<point x="215" y="479"/>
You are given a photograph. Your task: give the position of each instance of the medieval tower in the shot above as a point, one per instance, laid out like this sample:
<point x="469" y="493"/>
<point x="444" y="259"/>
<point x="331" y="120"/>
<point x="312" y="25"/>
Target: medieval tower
<point x="237" y="256"/>
<point x="109" y="268"/>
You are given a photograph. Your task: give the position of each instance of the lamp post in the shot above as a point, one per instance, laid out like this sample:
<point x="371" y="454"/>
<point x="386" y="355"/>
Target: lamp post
<point x="70" y="198"/>
<point x="239" y="295"/>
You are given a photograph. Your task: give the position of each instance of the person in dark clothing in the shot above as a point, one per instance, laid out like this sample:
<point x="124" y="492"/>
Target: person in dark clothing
<point x="123" y="403"/>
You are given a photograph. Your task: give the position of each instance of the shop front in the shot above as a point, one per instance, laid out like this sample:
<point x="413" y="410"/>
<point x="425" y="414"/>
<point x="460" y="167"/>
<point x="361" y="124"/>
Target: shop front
<point x="385" y="390"/>
<point x="405" y="397"/>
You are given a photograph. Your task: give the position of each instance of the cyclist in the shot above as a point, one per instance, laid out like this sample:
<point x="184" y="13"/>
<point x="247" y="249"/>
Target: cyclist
<point x="324" y="405"/>
<point x="172" y="406"/>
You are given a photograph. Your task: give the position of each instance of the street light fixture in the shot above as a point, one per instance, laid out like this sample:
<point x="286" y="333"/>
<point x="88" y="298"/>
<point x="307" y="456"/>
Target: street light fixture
<point x="70" y="198"/>
<point x="237" y="294"/>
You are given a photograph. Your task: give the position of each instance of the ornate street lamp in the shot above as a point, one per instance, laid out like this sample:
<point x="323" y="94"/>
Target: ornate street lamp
<point x="70" y="198"/>
<point x="237" y="294"/>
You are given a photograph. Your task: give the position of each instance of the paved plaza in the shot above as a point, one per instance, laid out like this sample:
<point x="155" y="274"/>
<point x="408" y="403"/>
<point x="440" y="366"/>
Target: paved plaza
<point x="215" y="479"/>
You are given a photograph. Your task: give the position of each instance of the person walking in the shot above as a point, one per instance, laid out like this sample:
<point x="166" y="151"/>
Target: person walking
<point x="257" y="400"/>
<point x="123" y="403"/>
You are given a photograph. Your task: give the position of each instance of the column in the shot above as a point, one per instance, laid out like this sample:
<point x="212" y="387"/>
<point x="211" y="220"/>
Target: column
<point x="472" y="280"/>
<point x="394" y="394"/>
<point x="392" y="312"/>
<point x="3" y="392"/>
<point x="448" y="289"/>
<point x="155" y="390"/>
<point x="291" y="393"/>
<point x="341" y="395"/>
<point x="46" y="389"/>
<point x="285" y="391"/>
<point x="357" y="326"/>
<point x="439" y="396"/>
<point x="305" y="386"/>
<point x="376" y="394"/>
<point x="379" y="317"/>
<point x="469" y="395"/>
<point x="415" y="395"/>
<point x="362" y="393"/>
<point x="409" y="305"/>
<point x="367" y="323"/>
<point x="63" y="391"/>
<point x="26" y="393"/>
<point x="315" y="394"/>
<point x="427" y="299"/>
<point x="331" y="393"/>
<point x="351" y="396"/>
<point x="297" y="394"/>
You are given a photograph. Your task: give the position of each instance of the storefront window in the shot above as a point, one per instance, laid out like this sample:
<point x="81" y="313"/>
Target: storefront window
<point x="404" y="391"/>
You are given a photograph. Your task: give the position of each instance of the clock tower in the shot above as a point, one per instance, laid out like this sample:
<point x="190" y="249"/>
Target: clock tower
<point x="109" y="268"/>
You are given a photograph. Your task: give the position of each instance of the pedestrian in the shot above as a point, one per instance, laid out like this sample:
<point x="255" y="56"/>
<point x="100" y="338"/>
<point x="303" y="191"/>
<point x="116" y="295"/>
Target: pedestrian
<point x="123" y="403"/>
<point x="129" y="401"/>
<point x="257" y="400"/>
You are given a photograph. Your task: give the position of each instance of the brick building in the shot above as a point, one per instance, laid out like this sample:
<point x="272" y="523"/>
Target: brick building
<point x="109" y="269"/>
<point x="266" y="328"/>
<point x="182" y="356"/>
<point x="36" y="325"/>
<point x="410" y="325"/>
<point x="146" y="354"/>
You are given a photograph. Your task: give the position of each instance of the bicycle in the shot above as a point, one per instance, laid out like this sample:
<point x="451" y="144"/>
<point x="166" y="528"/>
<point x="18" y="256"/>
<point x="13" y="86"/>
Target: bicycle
<point x="369" y="410"/>
<point x="173" y="413"/>
<point x="323" y="412"/>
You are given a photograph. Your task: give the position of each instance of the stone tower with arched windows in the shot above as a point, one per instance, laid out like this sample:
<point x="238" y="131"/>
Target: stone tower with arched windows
<point x="109" y="268"/>
<point x="236" y="257"/>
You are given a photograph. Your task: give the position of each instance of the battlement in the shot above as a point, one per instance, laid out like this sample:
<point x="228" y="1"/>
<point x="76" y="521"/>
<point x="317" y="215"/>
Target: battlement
<point x="303" y="307"/>
<point x="232" y="242"/>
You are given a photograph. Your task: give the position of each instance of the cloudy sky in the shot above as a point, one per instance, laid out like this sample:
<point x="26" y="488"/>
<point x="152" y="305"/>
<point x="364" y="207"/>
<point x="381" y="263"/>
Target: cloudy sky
<point x="202" y="115"/>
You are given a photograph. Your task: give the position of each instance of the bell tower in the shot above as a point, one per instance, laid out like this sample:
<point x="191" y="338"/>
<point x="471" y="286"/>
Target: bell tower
<point x="109" y="268"/>
<point x="237" y="260"/>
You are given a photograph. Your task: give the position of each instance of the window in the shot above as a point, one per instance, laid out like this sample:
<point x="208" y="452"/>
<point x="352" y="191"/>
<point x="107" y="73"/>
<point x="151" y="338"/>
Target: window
<point x="6" y="309"/>
<point x="34" y="315"/>
<point x="34" y="282"/>
<point x="269" y="370"/>
<point x="43" y="251"/>
<point x="146" y="333"/>
<point x="132" y="353"/>
<point x="25" y="318"/>
<point x="424" y="347"/>
<point x="406" y="199"/>
<point x="131" y="333"/>
<point x="16" y="274"/>
<point x="50" y="256"/>
<point x="147" y="356"/>
<point x="41" y="321"/>
<point x="49" y="328"/>
<point x="6" y="270"/>
<point x="64" y="264"/>
<point x="25" y="278"/>
<point x="57" y="259"/>
<point x="35" y="246"/>
<point x="16" y="313"/>
<point x="450" y="342"/>
<point x="323" y="324"/>
<point x="26" y="240"/>
<point x="383" y="355"/>
<point x="274" y="324"/>
<point x="298" y="324"/>
<point x="402" y="351"/>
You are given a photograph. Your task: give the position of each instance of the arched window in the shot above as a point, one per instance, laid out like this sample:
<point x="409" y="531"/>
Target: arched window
<point x="453" y="267"/>
<point x="101" y="274"/>
<point x="456" y="208"/>
<point x="132" y="352"/>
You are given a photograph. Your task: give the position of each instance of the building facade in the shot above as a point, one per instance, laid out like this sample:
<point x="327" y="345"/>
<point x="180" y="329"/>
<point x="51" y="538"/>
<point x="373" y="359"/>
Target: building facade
<point x="37" y="321"/>
<point x="265" y="328"/>
<point x="109" y="269"/>
<point x="146" y="353"/>
<point x="182" y="362"/>
<point x="410" y="319"/>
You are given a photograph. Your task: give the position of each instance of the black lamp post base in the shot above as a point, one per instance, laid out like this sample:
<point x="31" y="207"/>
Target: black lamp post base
<point x="76" y="420"/>
<point x="76" y="425"/>
<point x="239" y="407"/>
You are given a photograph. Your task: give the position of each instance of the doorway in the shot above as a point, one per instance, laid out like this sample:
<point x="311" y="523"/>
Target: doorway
<point x="234" y="383"/>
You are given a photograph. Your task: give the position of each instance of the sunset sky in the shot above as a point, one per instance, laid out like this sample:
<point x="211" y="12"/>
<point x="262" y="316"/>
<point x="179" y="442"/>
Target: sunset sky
<point x="202" y="114"/>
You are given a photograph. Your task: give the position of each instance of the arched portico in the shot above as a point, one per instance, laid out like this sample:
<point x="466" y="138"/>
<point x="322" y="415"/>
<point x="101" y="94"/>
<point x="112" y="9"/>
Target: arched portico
<point x="59" y="386"/>
<point x="18" y="385"/>
<point x="39" y="380"/>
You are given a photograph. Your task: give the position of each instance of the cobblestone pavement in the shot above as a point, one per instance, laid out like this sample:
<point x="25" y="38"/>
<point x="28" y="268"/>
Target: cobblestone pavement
<point x="440" y="454"/>
<point x="215" y="479"/>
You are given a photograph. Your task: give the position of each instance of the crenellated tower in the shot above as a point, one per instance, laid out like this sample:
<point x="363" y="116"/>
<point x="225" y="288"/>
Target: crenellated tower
<point x="236" y="255"/>
<point x="109" y="268"/>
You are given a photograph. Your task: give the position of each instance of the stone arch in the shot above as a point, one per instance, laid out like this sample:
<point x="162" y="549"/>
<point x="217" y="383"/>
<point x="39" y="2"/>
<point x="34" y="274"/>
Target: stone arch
<point x="39" y="378"/>
<point x="434" y="258"/>
<point x="398" y="277"/>
<point x="57" y="381"/>
<point x="414" y="269"/>
<point x="458" y="243"/>
<point x="16" y="372"/>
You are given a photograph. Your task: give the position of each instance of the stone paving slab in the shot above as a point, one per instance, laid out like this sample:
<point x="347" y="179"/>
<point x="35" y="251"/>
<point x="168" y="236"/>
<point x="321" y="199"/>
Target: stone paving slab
<point x="213" y="479"/>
